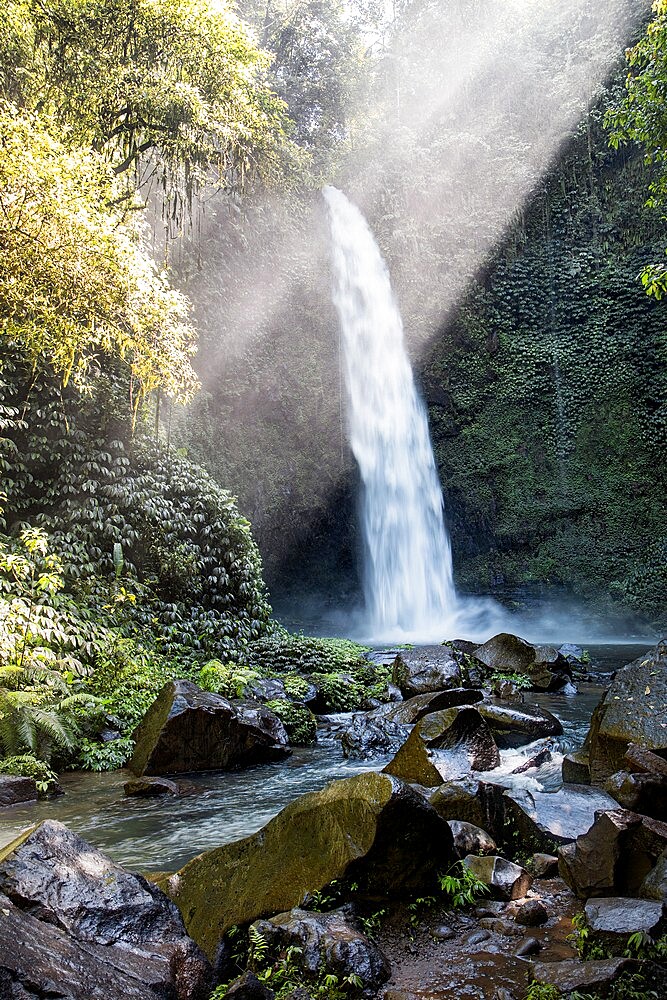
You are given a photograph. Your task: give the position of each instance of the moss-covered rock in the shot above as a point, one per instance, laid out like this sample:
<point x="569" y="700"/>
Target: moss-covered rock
<point x="444" y="746"/>
<point x="372" y="829"/>
<point x="299" y="722"/>
<point x="544" y="666"/>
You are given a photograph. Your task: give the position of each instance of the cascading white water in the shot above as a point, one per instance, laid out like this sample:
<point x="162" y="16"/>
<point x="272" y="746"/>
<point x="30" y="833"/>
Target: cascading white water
<point x="408" y="581"/>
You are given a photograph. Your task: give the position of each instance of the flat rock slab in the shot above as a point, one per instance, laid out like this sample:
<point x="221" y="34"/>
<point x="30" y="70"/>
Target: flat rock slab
<point x="573" y="975"/>
<point x="372" y="829"/>
<point x="546" y="819"/>
<point x="426" y="668"/>
<point x="614" y="919"/>
<point x="328" y="941"/>
<point x="187" y="729"/>
<point x="15" y="788"/>
<point x="71" y="898"/>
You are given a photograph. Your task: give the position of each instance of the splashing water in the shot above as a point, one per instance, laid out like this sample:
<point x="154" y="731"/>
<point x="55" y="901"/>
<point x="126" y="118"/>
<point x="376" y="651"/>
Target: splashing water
<point x="408" y="581"/>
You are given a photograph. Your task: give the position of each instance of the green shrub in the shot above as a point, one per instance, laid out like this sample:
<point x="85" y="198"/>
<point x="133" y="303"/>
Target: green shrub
<point x="30" y="767"/>
<point x="99" y="756"/>
<point x="299" y="721"/>
<point x="227" y="679"/>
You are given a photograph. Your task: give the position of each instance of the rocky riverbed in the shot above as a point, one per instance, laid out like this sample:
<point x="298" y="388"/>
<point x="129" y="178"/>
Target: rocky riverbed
<point x="437" y="871"/>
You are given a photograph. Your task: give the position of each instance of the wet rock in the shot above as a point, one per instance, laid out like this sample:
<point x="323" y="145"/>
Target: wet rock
<point x="372" y="829"/>
<point x="369" y="735"/>
<point x="478" y="802"/>
<point x="426" y="668"/>
<point x="576" y="768"/>
<point x="76" y="919"/>
<point x="15" y="788"/>
<point x="502" y="994"/>
<point x="531" y="913"/>
<point x="573" y="975"/>
<point x="544" y="865"/>
<point x="643" y="760"/>
<point x="642" y="793"/>
<point x="478" y="937"/>
<point x="573" y="654"/>
<point x="410" y="711"/>
<point x="267" y="689"/>
<point x="444" y="933"/>
<point x="187" y="729"/>
<point x="531" y="946"/>
<point x="544" y="666"/>
<point x="513" y="726"/>
<point x="470" y="839"/>
<point x="544" y="820"/>
<point x="148" y="787"/>
<point x="326" y="941"/>
<point x="444" y="746"/>
<point x="654" y="885"/>
<point x="500" y="926"/>
<point x="504" y="879"/>
<point x="541" y="757"/>
<point x="628" y="713"/>
<point x="615" y="856"/>
<point x="611" y="921"/>
<point x="507" y="691"/>
<point x="248" y="987"/>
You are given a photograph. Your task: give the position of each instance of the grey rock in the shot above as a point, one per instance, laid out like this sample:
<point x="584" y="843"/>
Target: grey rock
<point x="149" y="787"/>
<point x="572" y="975"/>
<point x="369" y="734"/>
<point x="546" y="819"/>
<point x="576" y="768"/>
<point x="513" y="726"/>
<point x="499" y="926"/>
<point x="478" y="802"/>
<point x="505" y="879"/>
<point x="545" y="667"/>
<point x="187" y="729"/>
<point x="531" y="913"/>
<point x="478" y="937"/>
<point x="544" y="865"/>
<point x="426" y="668"/>
<point x="642" y="793"/>
<point x="329" y="941"/>
<point x="15" y="788"/>
<point x="611" y="921"/>
<point x="248" y="987"/>
<point x="444" y="933"/>
<point x="470" y="839"/>
<point x="100" y="925"/>
<point x="531" y="946"/>
<point x="654" y="885"/>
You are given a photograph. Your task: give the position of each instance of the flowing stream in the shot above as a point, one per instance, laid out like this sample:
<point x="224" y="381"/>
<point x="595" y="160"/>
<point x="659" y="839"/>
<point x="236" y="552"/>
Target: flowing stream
<point x="407" y="579"/>
<point x="163" y="833"/>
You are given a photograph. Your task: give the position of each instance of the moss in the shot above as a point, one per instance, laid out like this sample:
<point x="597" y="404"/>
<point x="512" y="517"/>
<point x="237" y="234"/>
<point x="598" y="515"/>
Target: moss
<point x="298" y="720"/>
<point x="30" y="767"/>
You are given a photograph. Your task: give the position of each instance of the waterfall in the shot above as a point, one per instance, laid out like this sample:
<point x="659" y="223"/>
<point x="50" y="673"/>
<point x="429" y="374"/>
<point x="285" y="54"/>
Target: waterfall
<point x="407" y="574"/>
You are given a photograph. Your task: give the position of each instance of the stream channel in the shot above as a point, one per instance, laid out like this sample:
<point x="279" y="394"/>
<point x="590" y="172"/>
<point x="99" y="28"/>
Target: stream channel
<point x="163" y="833"/>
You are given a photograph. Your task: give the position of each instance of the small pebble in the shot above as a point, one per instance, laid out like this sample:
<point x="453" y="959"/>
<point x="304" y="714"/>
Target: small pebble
<point x="531" y="946"/>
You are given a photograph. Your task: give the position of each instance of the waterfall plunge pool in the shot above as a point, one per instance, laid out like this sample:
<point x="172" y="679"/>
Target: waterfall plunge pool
<point x="163" y="833"/>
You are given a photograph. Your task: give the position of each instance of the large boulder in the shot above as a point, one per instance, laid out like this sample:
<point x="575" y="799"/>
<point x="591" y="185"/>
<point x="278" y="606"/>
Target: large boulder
<point x="76" y="925"/>
<point x="426" y="668"/>
<point x="544" y="666"/>
<point x="629" y="712"/>
<point x="372" y="829"/>
<point x="385" y="729"/>
<point x="572" y="976"/>
<point x="544" y="820"/>
<point x="326" y="941"/>
<point x="187" y="729"/>
<point x="471" y="839"/>
<point x="615" y="856"/>
<point x="14" y="788"/>
<point x="445" y="746"/>
<point x="514" y="726"/>
<point x="613" y="920"/>
<point x="642" y="793"/>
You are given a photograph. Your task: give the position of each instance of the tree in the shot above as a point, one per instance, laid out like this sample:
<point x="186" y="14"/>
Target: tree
<point x="642" y="118"/>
